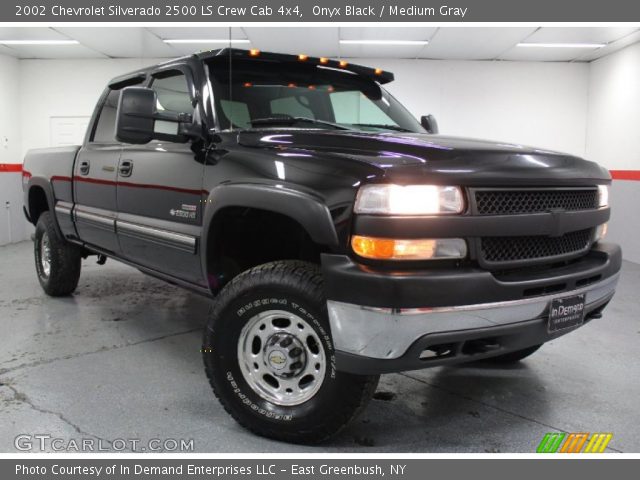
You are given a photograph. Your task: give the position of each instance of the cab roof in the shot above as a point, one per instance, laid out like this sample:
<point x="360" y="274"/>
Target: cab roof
<point x="376" y="74"/>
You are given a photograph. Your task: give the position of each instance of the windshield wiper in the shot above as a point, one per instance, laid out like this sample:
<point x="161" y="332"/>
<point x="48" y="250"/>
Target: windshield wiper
<point x="289" y="120"/>
<point x="381" y="126"/>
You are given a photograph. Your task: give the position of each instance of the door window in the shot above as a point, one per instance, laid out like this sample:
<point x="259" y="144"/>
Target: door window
<point x="173" y="93"/>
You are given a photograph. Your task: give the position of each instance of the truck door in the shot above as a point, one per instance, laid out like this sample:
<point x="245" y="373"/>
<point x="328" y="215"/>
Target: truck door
<point x="94" y="179"/>
<point x="159" y="191"/>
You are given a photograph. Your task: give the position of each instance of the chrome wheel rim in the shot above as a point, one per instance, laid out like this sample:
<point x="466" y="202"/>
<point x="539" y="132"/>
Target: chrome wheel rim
<point x="281" y="357"/>
<point x="45" y="255"/>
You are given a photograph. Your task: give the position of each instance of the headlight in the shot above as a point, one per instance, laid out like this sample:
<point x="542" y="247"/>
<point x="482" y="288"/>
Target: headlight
<point x="603" y="195"/>
<point x="409" y="200"/>
<point x="409" y="249"/>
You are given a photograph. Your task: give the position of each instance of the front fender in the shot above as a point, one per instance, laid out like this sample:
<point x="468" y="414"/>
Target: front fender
<point x="306" y="209"/>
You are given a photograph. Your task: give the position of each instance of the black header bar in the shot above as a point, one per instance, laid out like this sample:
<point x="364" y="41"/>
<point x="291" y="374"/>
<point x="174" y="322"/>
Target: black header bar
<point x="248" y="11"/>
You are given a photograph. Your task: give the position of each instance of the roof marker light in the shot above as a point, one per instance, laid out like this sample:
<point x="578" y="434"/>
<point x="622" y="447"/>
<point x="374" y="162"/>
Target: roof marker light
<point x="254" y="52"/>
<point x="343" y="64"/>
<point x="324" y="60"/>
<point x="303" y="58"/>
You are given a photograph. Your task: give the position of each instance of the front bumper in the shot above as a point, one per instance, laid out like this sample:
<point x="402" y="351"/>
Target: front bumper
<point x="407" y="321"/>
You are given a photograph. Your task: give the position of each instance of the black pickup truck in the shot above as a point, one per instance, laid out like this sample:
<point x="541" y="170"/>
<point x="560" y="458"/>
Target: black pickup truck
<point x="339" y="237"/>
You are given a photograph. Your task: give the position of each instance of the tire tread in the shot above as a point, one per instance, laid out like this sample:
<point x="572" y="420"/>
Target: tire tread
<point x="305" y="277"/>
<point x="65" y="260"/>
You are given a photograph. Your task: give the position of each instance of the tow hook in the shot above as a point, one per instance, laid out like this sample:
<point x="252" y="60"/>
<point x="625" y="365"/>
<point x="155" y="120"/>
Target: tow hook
<point x="102" y="259"/>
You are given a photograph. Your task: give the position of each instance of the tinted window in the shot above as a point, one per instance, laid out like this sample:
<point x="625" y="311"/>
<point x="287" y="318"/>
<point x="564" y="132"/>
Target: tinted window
<point x="105" y="131"/>
<point x="291" y="106"/>
<point x="354" y="108"/>
<point x="173" y="93"/>
<point x="271" y="91"/>
<point x="237" y="113"/>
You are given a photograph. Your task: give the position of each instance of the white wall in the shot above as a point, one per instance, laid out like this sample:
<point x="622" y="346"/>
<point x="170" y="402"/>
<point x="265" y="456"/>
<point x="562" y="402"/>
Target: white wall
<point x="10" y="148"/>
<point x="533" y="103"/>
<point x="613" y="126"/>
<point x="540" y="104"/>
<point x="58" y="88"/>
<point x="12" y="224"/>
<point x="613" y="138"/>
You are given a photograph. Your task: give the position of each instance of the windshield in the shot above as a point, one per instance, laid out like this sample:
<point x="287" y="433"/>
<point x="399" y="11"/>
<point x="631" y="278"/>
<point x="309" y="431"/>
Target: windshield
<point x="263" y="94"/>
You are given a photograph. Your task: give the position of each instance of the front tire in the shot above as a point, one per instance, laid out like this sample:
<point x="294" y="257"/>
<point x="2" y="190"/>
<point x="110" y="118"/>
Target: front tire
<point x="269" y="356"/>
<point x="57" y="261"/>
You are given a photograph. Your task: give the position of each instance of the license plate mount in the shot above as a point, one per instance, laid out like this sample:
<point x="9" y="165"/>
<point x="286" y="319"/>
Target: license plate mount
<point x="567" y="312"/>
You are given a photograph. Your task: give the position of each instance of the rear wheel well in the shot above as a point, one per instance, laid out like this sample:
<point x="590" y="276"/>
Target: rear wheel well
<point x="37" y="203"/>
<point x="241" y="238"/>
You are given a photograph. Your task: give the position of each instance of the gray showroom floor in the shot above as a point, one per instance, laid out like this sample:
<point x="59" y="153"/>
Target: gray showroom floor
<point x="120" y="359"/>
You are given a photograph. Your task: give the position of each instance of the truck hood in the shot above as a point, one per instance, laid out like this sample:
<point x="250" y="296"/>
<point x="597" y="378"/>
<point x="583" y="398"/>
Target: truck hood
<point x="404" y="157"/>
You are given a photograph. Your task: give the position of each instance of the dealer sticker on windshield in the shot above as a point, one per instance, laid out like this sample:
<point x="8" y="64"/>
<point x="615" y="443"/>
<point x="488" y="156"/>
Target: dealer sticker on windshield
<point x="566" y="312"/>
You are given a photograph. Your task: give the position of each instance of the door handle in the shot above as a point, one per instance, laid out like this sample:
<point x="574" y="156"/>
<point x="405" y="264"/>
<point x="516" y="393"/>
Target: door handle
<point x="84" y="167"/>
<point x="126" y="167"/>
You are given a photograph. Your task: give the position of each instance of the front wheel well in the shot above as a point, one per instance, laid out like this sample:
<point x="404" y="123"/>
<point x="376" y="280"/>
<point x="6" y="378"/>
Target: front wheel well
<point x="241" y="238"/>
<point x="37" y="203"/>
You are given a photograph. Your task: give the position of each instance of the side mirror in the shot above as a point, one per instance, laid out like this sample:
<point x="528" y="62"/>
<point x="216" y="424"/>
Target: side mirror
<point x="138" y="120"/>
<point x="429" y="123"/>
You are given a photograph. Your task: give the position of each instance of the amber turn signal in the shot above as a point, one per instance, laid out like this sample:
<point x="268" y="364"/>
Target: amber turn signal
<point x="408" y="249"/>
<point x="369" y="247"/>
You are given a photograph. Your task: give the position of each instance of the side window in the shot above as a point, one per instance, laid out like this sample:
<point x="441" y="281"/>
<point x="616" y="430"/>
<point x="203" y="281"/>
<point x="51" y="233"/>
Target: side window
<point x="172" y="90"/>
<point x="105" y="131"/>
<point x="173" y="93"/>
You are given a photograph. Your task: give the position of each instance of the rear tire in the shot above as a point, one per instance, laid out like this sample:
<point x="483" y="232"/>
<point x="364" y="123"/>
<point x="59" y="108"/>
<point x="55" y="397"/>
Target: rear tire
<point x="513" y="357"/>
<point x="270" y="360"/>
<point x="57" y="261"/>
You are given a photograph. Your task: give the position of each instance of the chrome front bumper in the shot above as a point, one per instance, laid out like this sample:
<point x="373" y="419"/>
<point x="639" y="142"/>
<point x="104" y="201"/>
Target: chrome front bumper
<point x="387" y="334"/>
